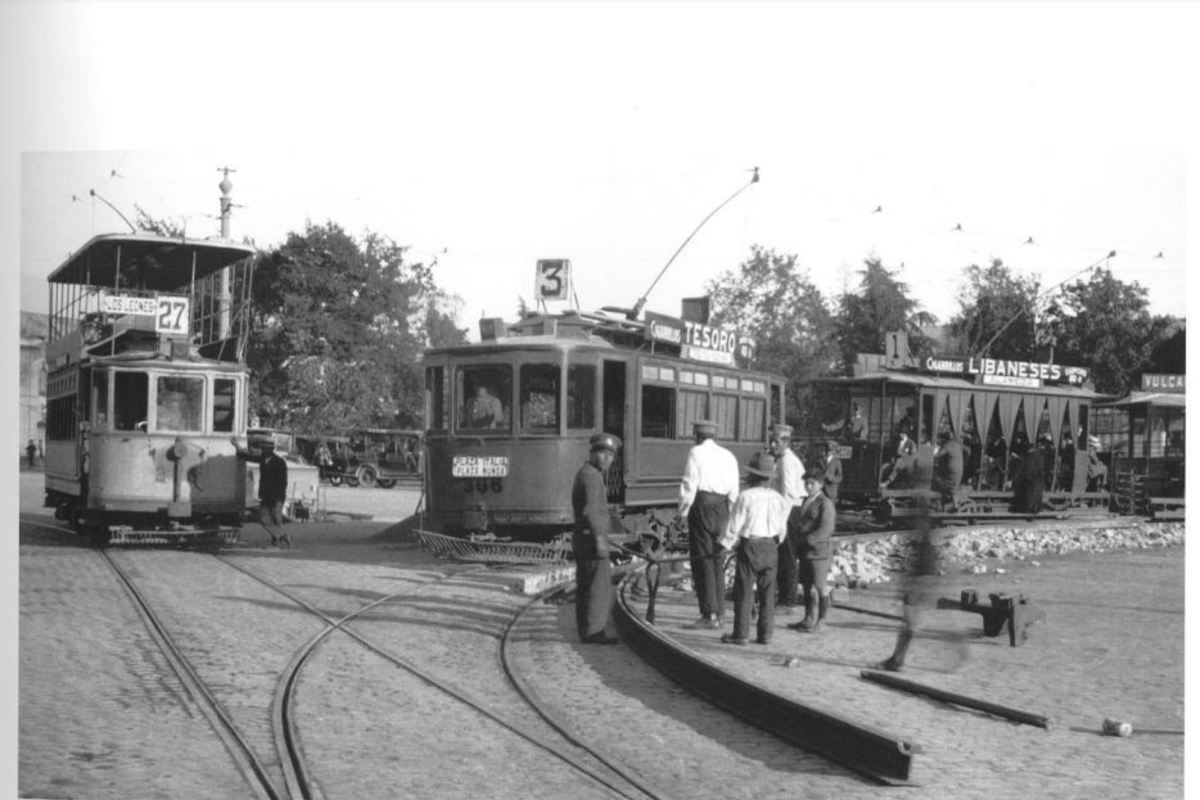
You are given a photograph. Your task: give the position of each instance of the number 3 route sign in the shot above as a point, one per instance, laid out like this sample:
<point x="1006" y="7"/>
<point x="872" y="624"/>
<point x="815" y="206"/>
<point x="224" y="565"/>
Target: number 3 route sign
<point x="554" y="279"/>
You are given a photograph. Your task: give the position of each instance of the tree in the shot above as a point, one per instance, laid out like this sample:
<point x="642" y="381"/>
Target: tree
<point x="996" y="312"/>
<point x="881" y="305"/>
<point x="1103" y="324"/>
<point x="337" y="329"/>
<point x="162" y="226"/>
<point x="772" y="301"/>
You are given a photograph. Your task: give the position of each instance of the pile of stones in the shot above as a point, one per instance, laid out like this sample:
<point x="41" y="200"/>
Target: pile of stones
<point x="979" y="550"/>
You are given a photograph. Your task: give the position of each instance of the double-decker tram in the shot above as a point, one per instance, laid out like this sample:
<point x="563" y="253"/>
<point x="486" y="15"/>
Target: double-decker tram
<point x="146" y="385"/>
<point x="1018" y="432"/>
<point x="1140" y="440"/>
<point x="510" y="417"/>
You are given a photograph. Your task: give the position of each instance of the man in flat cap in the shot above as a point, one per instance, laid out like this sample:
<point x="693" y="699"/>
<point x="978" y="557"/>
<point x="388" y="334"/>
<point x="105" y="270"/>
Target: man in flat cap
<point x="708" y="490"/>
<point x="589" y="541"/>
<point x="272" y="484"/>
<point x="789" y="482"/>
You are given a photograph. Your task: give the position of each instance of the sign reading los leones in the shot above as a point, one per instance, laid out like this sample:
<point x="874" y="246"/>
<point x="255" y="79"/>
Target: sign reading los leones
<point x="553" y="280"/>
<point x="171" y="313"/>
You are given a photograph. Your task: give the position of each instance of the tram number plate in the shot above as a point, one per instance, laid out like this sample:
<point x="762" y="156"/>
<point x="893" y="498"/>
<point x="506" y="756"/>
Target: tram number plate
<point x="479" y="467"/>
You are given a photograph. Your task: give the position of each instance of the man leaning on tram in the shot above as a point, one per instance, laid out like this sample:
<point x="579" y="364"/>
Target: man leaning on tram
<point x="272" y="486"/>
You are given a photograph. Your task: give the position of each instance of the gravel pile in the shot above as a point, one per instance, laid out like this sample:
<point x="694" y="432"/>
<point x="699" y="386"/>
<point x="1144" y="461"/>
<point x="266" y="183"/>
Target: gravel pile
<point x="981" y="550"/>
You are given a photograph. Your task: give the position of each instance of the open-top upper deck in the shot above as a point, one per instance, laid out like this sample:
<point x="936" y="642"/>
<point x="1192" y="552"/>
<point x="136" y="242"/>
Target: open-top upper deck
<point x="147" y="262"/>
<point x="147" y="292"/>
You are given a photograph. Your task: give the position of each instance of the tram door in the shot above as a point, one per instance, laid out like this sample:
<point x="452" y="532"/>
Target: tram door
<point x="614" y="423"/>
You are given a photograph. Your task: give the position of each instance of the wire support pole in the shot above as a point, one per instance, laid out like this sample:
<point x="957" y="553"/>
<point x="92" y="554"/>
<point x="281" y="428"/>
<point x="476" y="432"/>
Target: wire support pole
<point x="641" y="303"/>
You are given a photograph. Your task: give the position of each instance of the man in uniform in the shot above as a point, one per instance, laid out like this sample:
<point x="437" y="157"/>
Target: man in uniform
<point x="709" y="488"/>
<point x="814" y="546"/>
<point x="589" y="541"/>
<point x="272" y="487"/>
<point x="757" y="525"/>
<point x="789" y="482"/>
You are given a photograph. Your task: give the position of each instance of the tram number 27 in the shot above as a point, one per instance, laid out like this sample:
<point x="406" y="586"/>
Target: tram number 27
<point x="482" y="485"/>
<point x="172" y="315"/>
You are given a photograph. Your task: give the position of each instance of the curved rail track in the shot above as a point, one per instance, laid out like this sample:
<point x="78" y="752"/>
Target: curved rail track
<point x="587" y="759"/>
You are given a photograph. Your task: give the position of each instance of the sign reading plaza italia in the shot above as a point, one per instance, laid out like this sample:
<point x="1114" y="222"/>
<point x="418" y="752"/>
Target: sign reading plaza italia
<point x="700" y="342"/>
<point x="1006" y="372"/>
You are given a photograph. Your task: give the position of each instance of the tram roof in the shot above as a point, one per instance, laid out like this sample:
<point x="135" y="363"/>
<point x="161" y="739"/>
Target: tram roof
<point x="1161" y="399"/>
<point x="951" y="382"/>
<point x="161" y="263"/>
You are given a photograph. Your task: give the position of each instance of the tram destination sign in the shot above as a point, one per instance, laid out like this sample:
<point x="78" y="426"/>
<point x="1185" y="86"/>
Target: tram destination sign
<point x="1167" y="384"/>
<point x="479" y="467"/>
<point x="700" y="342"/>
<point x="1006" y="372"/>
<point x="172" y="313"/>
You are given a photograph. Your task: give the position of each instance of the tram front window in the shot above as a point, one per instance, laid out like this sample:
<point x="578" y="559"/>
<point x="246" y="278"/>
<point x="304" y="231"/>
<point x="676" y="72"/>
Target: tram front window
<point x="180" y="401"/>
<point x="539" y="397"/>
<point x="129" y="400"/>
<point x="482" y="395"/>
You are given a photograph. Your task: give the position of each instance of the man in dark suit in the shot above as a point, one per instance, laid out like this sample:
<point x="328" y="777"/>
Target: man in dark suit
<point x="814" y="546"/>
<point x="833" y="470"/>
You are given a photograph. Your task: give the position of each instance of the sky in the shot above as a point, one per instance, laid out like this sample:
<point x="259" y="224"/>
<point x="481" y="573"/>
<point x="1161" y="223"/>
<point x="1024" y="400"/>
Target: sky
<point x="491" y="135"/>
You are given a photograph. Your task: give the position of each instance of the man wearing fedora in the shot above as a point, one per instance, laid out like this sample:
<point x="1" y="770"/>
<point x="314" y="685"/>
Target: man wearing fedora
<point x="272" y="486"/>
<point x="814" y="546"/>
<point x="789" y="482"/>
<point x="757" y="525"/>
<point x="589" y="541"/>
<point x="709" y="488"/>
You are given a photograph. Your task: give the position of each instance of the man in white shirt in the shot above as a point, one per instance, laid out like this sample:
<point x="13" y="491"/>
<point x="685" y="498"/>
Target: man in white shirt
<point x="708" y="490"/>
<point x="789" y="482"/>
<point x="757" y="524"/>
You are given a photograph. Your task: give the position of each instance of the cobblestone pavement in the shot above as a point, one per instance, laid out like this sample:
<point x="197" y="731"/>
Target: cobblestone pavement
<point x="1112" y="645"/>
<point x="98" y="718"/>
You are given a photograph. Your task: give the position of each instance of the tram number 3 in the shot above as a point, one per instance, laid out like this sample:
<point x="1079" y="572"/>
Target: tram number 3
<point x="482" y="485"/>
<point x="172" y="315"/>
<point x="554" y="279"/>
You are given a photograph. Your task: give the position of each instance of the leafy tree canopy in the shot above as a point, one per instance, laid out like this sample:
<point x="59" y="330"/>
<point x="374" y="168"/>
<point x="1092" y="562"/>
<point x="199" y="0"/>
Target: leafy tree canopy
<point x="880" y="305"/>
<point x="771" y="300"/>
<point x="996" y="311"/>
<point x="1103" y="323"/>
<point x="337" y="329"/>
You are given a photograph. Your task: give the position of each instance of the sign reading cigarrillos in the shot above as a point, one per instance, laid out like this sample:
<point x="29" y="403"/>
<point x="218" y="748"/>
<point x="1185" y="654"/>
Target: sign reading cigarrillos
<point x="1005" y="372"/>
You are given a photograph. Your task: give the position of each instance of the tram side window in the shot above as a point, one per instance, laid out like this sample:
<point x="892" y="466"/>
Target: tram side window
<point x="482" y="392"/>
<point x="100" y="400"/>
<point x="724" y="413"/>
<point x="60" y="418"/>
<point x="180" y="401"/>
<point x="657" y="407"/>
<point x="224" y="404"/>
<point x="581" y="396"/>
<point x="692" y="406"/>
<point x="539" y="397"/>
<point x="752" y="417"/>
<point x="130" y="404"/>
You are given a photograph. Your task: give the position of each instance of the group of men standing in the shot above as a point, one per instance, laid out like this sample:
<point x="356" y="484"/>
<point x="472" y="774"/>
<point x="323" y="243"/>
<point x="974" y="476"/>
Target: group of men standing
<point x="780" y="527"/>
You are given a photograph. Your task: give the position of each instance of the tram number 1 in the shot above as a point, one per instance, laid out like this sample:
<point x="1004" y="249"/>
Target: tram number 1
<point x="554" y="279"/>
<point x="172" y="315"/>
<point x="482" y="485"/>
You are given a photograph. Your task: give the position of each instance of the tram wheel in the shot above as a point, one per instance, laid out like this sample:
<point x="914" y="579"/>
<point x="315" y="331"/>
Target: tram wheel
<point x="367" y="477"/>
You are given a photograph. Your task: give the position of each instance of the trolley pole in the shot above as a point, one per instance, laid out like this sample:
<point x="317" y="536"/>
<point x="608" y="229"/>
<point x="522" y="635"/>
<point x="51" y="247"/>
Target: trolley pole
<point x="226" y="299"/>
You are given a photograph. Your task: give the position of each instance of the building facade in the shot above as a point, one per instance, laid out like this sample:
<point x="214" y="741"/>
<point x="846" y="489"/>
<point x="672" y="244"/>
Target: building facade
<point x="32" y="408"/>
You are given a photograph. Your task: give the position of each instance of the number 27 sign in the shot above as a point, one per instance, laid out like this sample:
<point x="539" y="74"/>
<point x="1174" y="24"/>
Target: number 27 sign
<point x="171" y="312"/>
<point x="554" y="279"/>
